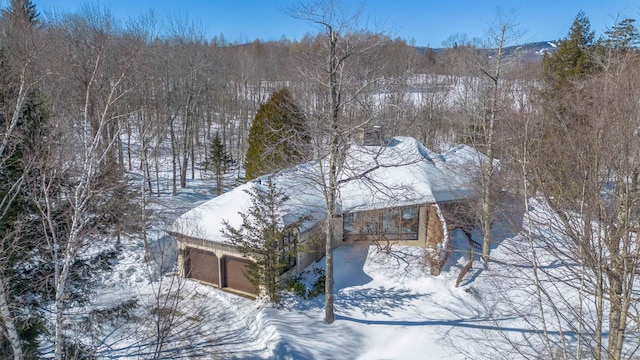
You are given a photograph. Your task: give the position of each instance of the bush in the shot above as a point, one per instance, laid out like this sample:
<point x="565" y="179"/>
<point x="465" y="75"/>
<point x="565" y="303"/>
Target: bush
<point x="318" y="286"/>
<point x="296" y="284"/>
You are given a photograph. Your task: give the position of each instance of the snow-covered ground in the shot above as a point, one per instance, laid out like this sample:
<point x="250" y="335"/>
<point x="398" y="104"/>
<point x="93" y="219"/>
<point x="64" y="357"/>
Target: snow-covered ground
<point x="387" y="306"/>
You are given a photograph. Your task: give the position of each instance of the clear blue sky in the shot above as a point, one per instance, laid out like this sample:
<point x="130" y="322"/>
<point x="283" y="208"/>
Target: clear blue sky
<point x="428" y="22"/>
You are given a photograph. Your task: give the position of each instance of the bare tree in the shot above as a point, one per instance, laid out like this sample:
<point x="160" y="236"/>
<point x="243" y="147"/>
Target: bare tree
<point x="78" y="158"/>
<point x="499" y="37"/>
<point x="20" y="47"/>
<point x="341" y="48"/>
<point x="579" y="247"/>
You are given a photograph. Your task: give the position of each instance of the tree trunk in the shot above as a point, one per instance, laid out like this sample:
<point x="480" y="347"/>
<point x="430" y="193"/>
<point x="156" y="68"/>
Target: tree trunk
<point x="8" y="322"/>
<point x="487" y="202"/>
<point x="129" y="146"/>
<point x="174" y="160"/>
<point x="61" y="284"/>
<point x="218" y="180"/>
<point x="616" y="331"/>
<point x="332" y="190"/>
<point x="187" y="138"/>
<point x="156" y="163"/>
<point x="143" y="208"/>
<point x="329" y="315"/>
<point x="193" y="161"/>
<point x="120" y="149"/>
<point x="486" y="217"/>
<point x="469" y="265"/>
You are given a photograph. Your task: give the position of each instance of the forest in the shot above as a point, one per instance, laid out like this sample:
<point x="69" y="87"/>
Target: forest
<point x="101" y="118"/>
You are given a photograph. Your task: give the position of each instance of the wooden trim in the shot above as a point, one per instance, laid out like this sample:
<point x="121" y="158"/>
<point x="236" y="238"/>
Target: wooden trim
<point x="188" y="240"/>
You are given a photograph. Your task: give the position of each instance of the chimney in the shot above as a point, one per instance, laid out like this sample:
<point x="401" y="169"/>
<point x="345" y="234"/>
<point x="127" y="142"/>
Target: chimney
<point x="373" y="136"/>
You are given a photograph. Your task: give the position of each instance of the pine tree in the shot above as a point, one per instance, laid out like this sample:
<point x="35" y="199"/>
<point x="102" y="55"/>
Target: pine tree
<point x="264" y="238"/>
<point x="22" y="10"/>
<point x="574" y="57"/>
<point x="622" y="36"/>
<point x="277" y="138"/>
<point x="21" y="115"/>
<point x="563" y="73"/>
<point x="218" y="161"/>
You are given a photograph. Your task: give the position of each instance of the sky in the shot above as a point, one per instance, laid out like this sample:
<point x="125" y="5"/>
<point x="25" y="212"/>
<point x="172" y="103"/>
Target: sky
<point x="426" y="22"/>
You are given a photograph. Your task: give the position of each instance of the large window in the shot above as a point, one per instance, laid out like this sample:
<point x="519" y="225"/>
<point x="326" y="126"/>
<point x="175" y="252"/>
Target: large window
<point x="386" y="224"/>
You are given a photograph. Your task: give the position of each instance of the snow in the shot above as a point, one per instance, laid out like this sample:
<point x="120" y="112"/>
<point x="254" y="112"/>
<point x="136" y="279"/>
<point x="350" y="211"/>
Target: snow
<point x="402" y="173"/>
<point x="206" y="221"/>
<point x="387" y="305"/>
<point x="406" y="173"/>
<point x="385" y="309"/>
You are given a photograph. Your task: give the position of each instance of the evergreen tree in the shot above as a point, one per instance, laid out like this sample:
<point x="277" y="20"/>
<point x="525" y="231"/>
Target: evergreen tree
<point x="278" y="136"/>
<point x="22" y="10"/>
<point x="623" y="35"/>
<point x="218" y="161"/>
<point x="265" y="240"/>
<point x="21" y="296"/>
<point x="574" y="57"/>
<point x="563" y="73"/>
<point x="20" y="226"/>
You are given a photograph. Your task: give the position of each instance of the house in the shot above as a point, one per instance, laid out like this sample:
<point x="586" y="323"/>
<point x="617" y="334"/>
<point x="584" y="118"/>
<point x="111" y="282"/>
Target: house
<point x="398" y="192"/>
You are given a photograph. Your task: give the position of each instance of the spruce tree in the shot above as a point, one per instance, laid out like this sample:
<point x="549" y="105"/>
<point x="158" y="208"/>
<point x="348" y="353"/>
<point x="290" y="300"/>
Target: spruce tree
<point x="265" y="240"/>
<point x="20" y="225"/>
<point x="278" y="136"/>
<point x="563" y="73"/>
<point x="21" y="296"/>
<point x="218" y="161"/>
<point x="19" y="10"/>
<point x="575" y="55"/>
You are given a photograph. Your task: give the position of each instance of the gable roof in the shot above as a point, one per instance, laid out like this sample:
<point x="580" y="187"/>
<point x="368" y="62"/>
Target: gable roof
<point x="402" y="173"/>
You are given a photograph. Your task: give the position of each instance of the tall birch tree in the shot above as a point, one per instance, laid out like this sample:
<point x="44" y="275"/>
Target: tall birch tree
<point x="20" y="49"/>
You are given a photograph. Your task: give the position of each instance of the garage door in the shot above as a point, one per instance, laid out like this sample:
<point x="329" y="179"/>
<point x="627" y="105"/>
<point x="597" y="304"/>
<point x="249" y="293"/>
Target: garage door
<point x="235" y="278"/>
<point x="201" y="265"/>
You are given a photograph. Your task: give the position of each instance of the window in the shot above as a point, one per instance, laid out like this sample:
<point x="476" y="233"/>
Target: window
<point x="391" y="221"/>
<point x="391" y="224"/>
<point x="348" y="223"/>
<point x="288" y="251"/>
<point x="409" y="220"/>
<point x="370" y="222"/>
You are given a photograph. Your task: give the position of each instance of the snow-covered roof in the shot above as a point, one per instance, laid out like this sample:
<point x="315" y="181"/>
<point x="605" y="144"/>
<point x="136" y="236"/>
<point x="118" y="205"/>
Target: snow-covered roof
<point x="406" y="173"/>
<point x="401" y="173"/>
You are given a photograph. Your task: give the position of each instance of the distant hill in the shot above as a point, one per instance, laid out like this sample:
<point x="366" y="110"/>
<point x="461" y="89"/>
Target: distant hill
<point x="528" y="51"/>
<point x="532" y="51"/>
